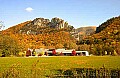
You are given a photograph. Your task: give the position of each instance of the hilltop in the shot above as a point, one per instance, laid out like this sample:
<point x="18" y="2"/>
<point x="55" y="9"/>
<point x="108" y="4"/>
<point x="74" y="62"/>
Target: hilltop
<point x="41" y="32"/>
<point x="106" y="39"/>
<point x="40" y="26"/>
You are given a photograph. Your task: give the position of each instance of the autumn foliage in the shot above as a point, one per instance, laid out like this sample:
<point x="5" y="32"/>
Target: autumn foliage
<point x="105" y="41"/>
<point x="73" y="53"/>
<point x="32" y="35"/>
<point x="28" y="53"/>
<point x="54" y="52"/>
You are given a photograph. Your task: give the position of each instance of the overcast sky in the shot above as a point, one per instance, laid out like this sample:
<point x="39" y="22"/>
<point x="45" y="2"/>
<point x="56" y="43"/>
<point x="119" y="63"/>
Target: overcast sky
<point x="78" y="13"/>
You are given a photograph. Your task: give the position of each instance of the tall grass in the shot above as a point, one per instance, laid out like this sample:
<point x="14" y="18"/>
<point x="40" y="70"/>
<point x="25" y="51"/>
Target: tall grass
<point x="17" y="67"/>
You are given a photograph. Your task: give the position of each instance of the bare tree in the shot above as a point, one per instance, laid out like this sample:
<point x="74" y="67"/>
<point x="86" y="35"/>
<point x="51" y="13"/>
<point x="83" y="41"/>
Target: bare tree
<point x="1" y="25"/>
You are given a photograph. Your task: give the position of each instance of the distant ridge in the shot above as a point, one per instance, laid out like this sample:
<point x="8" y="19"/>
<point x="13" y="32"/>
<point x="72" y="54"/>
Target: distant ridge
<point x="85" y="31"/>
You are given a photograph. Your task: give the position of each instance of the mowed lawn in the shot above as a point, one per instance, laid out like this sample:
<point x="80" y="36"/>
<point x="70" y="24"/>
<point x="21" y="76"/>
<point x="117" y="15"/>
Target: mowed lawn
<point x="47" y="64"/>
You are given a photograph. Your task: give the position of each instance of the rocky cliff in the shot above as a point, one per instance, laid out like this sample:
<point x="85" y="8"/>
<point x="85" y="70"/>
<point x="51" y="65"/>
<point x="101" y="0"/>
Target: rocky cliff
<point x="40" y="25"/>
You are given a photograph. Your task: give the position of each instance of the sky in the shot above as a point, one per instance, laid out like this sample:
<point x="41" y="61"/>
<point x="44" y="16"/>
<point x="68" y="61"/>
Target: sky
<point x="78" y="13"/>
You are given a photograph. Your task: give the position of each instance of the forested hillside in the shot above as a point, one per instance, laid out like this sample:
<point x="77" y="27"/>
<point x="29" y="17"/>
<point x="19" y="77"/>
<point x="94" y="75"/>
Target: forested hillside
<point x="40" y="33"/>
<point x="107" y="38"/>
<point x="56" y="33"/>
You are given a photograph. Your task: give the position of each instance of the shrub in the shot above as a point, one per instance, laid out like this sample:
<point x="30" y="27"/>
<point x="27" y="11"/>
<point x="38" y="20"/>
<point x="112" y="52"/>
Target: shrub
<point x="73" y="53"/>
<point x="28" y="53"/>
<point x="115" y="53"/>
<point x="41" y="53"/>
<point x="61" y="54"/>
<point x="54" y="52"/>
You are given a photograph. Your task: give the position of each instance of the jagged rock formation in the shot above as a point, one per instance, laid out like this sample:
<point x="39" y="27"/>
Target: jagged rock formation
<point x="58" y="23"/>
<point x="40" y="25"/>
<point x="40" y="22"/>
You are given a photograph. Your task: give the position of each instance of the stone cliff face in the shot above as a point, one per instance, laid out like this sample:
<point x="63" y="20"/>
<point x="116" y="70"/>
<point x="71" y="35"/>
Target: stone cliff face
<point x="54" y="23"/>
<point x="38" y="25"/>
<point x="41" y="22"/>
<point x="58" y="23"/>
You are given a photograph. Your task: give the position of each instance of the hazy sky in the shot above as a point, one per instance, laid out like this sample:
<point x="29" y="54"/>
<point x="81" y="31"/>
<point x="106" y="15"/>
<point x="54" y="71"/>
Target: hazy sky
<point x="78" y="13"/>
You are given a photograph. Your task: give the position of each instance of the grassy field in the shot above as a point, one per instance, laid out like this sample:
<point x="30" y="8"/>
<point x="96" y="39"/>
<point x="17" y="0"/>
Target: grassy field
<point x="48" y="65"/>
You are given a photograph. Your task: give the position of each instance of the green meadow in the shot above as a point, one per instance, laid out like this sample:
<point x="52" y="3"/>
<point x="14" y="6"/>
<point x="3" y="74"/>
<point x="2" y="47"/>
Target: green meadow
<point x="43" y="66"/>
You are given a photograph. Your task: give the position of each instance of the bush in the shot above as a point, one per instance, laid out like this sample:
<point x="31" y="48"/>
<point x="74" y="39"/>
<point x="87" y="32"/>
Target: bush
<point x="73" y="53"/>
<point x="61" y="54"/>
<point x="28" y="53"/>
<point x="54" y="52"/>
<point x="21" y="54"/>
<point x="41" y="53"/>
<point x="115" y="53"/>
